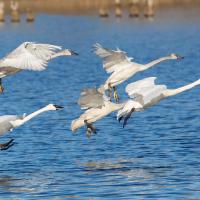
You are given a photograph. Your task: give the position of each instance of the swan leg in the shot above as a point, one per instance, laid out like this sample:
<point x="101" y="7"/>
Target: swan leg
<point x="110" y="91"/>
<point x="116" y="96"/>
<point x="1" y="86"/>
<point x="6" y="145"/>
<point x="88" y="132"/>
<point x="90" y="129"/>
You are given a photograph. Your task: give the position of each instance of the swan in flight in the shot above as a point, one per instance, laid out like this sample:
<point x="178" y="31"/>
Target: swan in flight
<point x="145" y="93"/>
<point x="97" y="106"/>
<point x="121" y="67"/>
<point x="9" y="122"/>
<point x="30" y="56"/>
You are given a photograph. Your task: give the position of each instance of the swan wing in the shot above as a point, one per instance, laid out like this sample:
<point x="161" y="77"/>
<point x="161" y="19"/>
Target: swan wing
<point x="91" y="98"/>
<point x="112" y="60"/>
<point x="30" y="56"/>
<point x="8" y="118"/>
<point x="145" y="91"/>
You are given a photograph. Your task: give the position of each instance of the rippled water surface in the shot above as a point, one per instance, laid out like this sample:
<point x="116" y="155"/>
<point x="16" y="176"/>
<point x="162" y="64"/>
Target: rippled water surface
<point x="157" y="156"/>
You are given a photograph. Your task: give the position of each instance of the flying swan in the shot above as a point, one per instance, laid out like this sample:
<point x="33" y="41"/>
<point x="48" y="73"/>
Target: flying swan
<point x="145" y="93"/>
<point x="121" y="68"/>
<point x="30" y="56"/>
<point x="97" y="106"/>
<point x="9" y="122"/>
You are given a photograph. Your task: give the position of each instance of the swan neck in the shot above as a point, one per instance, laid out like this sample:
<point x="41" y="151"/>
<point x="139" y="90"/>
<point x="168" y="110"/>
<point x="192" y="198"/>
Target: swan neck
<point x="172" y="92"/>
<point x="34" y="114"/>
<point x="155" y="62"/>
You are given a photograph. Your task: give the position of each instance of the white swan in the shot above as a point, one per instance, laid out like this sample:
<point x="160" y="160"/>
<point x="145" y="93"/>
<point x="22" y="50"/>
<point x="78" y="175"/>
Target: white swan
<point x="98" y="105"/>
<point x="146" y="93"/>
<point x="143" y="94"/>
<point x="121" y="67"/>
<point x="9" y="122"/>
<point x="30" y="56"/>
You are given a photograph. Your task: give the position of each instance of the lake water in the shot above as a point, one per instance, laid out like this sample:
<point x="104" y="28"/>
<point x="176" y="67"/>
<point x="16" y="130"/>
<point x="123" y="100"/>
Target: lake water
<point x="157" y="156"/>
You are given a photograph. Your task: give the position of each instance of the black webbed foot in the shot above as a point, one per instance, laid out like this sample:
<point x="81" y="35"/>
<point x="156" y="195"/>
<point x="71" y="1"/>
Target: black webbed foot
<point x="120" y="118"/>
<point x="88" y="132"/>
<point x="90" y="129"/>
<point x="126" y="117"/>
<point x="6" y="145"/>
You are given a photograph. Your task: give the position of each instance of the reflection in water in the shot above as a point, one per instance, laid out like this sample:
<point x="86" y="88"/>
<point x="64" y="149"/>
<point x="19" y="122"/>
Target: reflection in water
<point x="5" y="181"/>
<point x="120" y="167"/>
<point x="11" y="184"/>
<point x="136" y="174"/>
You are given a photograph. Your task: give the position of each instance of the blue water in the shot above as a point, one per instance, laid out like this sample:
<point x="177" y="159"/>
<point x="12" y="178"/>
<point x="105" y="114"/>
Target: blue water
<point x="157" y="156"/>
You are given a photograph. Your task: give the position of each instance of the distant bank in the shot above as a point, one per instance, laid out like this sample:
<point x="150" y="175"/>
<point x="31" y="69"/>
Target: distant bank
<point x="87" y="6"/>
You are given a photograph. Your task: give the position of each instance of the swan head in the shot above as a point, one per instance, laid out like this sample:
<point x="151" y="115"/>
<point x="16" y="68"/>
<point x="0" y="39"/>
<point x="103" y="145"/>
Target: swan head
<point x="69" y="52"/>
<point x="54" y="107"/>
<point x="176" y="56"/>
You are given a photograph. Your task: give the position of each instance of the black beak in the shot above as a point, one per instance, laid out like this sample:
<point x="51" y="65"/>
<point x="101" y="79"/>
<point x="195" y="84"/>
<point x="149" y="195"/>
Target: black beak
<point x="74" y="53"/>
<point x="180" y="57"/>
<point x="58" y="107"/>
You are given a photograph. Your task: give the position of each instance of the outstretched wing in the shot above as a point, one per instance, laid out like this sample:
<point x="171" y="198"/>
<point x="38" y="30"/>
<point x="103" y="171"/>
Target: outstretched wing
<point x="145" y="91"/>
<point x="91" y="98"/>
<point x="112" y="60"/>
<point x="7" y="118"/>
<point x="5" y="124"/>
<point x="30" y="56"/>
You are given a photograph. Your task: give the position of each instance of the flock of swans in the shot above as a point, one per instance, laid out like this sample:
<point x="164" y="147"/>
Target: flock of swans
<point x="98" y="102"/>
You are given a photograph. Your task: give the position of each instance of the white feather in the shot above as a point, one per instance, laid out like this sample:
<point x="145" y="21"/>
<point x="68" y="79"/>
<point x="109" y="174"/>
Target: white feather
<point x="112" y="60"/>
<point x="129" y="105"/>
<point x="30" y="56"/>
<point x="135" y="86"/>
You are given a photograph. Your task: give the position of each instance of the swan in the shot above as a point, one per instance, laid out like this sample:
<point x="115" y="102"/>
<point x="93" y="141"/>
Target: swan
<point x="30" y="56"/>
<point x="142" y="94"/>
<point x="10" y="122"/>
<point x="121" y="67"/>
<point x="145" y="93"/>
<point x="97" y="106"/>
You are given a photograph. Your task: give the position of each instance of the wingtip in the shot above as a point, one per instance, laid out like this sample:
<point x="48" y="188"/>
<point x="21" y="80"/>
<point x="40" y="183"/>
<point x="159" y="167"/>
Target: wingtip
<point x="96" y="46"/>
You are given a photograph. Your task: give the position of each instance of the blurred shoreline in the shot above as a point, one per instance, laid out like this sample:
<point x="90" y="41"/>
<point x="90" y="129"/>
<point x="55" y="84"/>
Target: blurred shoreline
<point x="89" y="6"/>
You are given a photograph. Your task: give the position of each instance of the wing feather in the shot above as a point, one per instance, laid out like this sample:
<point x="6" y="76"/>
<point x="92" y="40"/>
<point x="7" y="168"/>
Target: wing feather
<point x="30" y="56"/>
<point x="7" y="118"/>
<point x="145" y="91"/>
<point x="112" y="60"/>
<point x="91" y="98"/>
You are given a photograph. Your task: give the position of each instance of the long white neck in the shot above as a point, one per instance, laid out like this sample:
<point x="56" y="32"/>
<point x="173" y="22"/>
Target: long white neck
<point x="155" y="62"/>
<point x="172" y="92"/>
<point x="20" y="122"/>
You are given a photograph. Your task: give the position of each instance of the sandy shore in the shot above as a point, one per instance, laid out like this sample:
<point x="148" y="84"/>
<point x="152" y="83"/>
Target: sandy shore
<point x="85" y="6"/>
